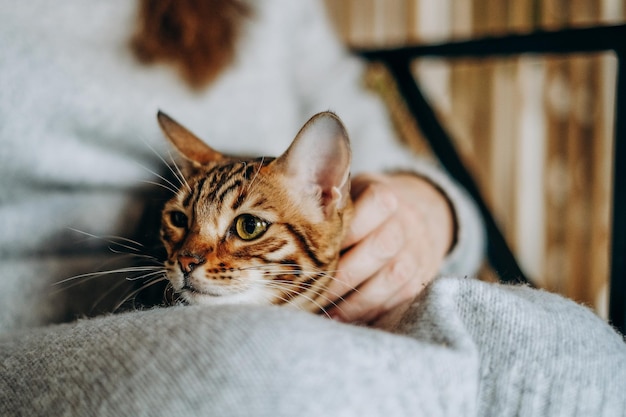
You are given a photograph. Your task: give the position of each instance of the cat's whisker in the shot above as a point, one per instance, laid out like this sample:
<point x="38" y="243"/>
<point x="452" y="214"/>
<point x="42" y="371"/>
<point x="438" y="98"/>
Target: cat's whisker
<point x="312" y="301"/>
<point x="286" y="301"/>
<point x="256" y="174"/>
<point x="335" y="294"/>
<point x="290" y="286"/>
<point x="334" y="278"/>
<point x="134" y="255"/>
<point x="90" y="275"/>
<point x="278" y="265"/>
<point x="137" y="291"/>
<point x="278" y="272"/>
<point x="109" y="239"/>
<point x="298" y="272"/>
<point x="108" y="292"/>
<point x="150" y="274"/>
<point x="330" y="274"/>
<point x="180" y="176"/>
<point x="291" y="302"/>
<point x="168" y="188"/>
<point x="170" y="185"/>
<point x="167" y="288"/>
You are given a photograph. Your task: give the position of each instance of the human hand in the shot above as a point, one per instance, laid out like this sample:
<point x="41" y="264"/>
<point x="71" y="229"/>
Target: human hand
<point x="400" y="233"/>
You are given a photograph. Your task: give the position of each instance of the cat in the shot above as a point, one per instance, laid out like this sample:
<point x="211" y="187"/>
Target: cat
<point x="258" y="230"/>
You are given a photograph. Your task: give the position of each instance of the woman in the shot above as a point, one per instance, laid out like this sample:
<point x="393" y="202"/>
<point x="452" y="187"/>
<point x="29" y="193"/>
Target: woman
<point x="77" y="125"/>
<point x="82" y="86"/>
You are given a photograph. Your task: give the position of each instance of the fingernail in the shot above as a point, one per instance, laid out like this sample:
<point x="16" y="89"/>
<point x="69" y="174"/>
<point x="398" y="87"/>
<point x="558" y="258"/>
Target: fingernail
<point x="333" y="315"/>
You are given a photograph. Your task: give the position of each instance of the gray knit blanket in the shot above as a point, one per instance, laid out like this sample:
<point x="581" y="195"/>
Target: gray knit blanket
<point x="466" y="348"/>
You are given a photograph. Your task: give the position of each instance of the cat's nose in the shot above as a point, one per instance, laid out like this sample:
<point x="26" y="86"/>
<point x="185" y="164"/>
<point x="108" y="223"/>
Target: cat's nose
<point x="189" y="262"/>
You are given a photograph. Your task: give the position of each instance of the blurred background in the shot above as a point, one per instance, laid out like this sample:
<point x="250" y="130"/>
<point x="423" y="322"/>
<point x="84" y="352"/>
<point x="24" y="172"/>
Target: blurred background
<point x="536" y="132"/>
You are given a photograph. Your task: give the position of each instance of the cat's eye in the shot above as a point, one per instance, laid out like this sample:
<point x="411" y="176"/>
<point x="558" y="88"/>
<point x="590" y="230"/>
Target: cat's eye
<point x="179" y="219"/>
<point x="249" y="227"/>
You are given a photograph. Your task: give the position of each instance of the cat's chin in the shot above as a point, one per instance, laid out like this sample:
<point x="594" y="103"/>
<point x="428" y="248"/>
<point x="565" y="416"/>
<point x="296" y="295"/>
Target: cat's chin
<point x="249" y="296"/>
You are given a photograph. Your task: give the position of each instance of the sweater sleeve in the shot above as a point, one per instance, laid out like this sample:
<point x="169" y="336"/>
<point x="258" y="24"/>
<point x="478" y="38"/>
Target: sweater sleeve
<point x="327" y="77"/>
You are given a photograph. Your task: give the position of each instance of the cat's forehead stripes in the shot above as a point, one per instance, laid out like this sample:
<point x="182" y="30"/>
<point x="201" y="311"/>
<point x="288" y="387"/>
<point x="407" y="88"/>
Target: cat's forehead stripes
<point x="195" y="191"/>
<point x="215" y="183"/>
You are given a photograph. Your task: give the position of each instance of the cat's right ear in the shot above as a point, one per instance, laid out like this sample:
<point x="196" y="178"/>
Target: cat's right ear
<point x="318" y="161"/>
<point x="188" y="145"/>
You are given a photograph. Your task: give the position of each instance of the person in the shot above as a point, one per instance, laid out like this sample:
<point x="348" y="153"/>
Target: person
<point x="78" y="143"/>
<point x="79" y="136"/>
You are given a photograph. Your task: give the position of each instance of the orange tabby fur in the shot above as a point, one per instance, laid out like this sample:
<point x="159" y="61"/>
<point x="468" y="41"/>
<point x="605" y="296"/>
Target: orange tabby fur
<point x="301" y="203"/>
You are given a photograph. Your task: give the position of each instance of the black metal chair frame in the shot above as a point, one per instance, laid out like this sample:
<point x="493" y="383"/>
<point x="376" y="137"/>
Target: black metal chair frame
<point x="568" y="41"/>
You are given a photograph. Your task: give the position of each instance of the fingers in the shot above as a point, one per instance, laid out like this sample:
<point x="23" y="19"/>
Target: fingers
<point x="375" y="233"/>
<point x="366" y="258"/>
<point x="400" y="232"/>
<point x="374" y="203"/>
<point x="392" y="285"/>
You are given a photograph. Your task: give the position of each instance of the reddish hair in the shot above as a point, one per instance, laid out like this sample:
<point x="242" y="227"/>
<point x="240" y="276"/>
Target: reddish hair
<point x="197" y="36"/>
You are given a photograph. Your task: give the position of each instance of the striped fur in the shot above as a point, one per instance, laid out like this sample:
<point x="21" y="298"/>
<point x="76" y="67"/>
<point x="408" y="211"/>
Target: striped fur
<point x="304" y="221"/>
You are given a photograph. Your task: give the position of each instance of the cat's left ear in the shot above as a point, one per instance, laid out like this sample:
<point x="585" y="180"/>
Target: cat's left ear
<point x="188" y="145"/>
<point x="318" y="161"/>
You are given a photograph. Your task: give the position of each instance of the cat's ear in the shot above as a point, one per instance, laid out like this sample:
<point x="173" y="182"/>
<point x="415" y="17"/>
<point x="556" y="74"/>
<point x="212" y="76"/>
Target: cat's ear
<point x="188" y="145"/>
<point x="318" y="161"/>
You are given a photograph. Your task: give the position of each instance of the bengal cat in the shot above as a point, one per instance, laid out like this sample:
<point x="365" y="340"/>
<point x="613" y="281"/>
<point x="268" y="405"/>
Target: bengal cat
<point x="263" y="230"/>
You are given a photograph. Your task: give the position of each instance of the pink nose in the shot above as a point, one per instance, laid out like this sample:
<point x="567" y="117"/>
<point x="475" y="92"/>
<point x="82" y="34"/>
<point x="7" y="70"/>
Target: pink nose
<point x="189" y="262"/>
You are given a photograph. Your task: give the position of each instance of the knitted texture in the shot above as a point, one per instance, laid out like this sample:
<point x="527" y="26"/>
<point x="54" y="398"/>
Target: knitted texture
<point x="540" y="354"/>
<point x="465" y="349"/>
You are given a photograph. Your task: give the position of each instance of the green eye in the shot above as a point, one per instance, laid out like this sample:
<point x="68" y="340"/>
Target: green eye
<point x="249" y="227"/>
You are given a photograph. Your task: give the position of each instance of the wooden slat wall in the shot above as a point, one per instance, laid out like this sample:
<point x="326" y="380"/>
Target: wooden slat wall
<point x="535" y="131"/>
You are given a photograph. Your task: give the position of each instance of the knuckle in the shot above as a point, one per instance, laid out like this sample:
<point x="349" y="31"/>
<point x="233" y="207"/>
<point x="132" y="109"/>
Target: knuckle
<point x="389" y="240"/>
<point x="348" y="280"/>
<point x="385" y="199"/>
<point x="400" y="271"/>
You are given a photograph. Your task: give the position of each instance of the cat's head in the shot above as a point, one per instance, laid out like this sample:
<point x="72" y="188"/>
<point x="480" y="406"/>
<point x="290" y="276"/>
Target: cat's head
<point x="259" y="231"/>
